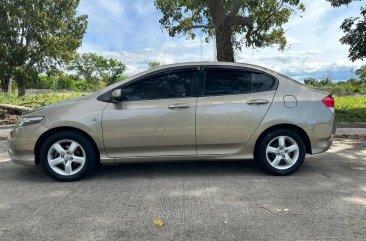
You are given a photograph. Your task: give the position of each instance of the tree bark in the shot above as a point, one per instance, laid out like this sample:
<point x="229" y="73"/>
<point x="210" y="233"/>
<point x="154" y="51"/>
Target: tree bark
<point x="21" y="89"/>
<point x="5" y="83"/>
<point x="15" y="108"/>
<point x="224" y="44"/>
<point x="19" y="78"/>
<point x="223" y="31"/>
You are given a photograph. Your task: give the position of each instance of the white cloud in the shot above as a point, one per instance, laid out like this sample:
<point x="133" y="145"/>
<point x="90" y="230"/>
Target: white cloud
<point x="114" y="7"/>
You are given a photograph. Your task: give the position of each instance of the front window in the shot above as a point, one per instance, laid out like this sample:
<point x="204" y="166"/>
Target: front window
<point x="165" y="86"/>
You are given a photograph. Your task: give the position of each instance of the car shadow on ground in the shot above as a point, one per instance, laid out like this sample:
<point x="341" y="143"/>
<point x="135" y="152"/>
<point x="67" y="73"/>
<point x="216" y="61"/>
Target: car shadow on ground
<point x="125" y="171"/>
<point x="144" y="170"/>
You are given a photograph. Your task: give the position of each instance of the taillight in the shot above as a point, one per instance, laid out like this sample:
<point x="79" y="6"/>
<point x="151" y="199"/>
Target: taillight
<point x="329" y="102"/>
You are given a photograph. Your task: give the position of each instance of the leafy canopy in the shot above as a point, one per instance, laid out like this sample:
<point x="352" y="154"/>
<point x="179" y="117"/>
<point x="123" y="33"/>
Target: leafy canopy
<point x="252" y="23"/>
<point x="355" y="31"/>
<point x="154" y="64"/>
<point x="94" y="68"/>
<point x="362" y="73"/>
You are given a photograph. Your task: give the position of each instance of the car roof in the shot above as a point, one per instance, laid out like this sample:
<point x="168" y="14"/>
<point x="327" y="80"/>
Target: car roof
<point x="215" y="63"/>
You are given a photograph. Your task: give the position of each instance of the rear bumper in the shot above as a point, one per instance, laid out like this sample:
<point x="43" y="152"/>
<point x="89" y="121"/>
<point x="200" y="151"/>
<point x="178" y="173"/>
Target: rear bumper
<point x="22" y="141"/>
<point x="321" y="136"/>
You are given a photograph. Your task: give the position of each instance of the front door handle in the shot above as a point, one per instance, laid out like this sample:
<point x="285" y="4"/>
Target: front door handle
<point x="179" y="106"/>
<point x="257" y="102"/>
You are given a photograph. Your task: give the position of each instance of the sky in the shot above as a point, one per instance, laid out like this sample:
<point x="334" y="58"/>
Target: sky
<point x="130" y="31"/>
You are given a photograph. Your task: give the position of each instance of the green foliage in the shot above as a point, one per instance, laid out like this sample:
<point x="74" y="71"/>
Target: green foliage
<point x="37" y="35"/>
<point x="237" y="23"/>
<point x="154" y="64"/>
<point x="361" y="73"/>
<point x="341" y="88"/>
<point x="355" y="31"/>
<point x="96" y="70"/>
<point x="350" y="108"/>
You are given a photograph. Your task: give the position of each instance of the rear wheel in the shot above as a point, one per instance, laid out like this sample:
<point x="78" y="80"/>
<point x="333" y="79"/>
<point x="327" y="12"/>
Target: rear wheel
<point x="281" y="152"/>
<point x="67" y="156"/>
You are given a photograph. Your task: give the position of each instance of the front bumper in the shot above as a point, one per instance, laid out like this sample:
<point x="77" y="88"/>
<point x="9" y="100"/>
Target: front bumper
<point x="22" y="142"/>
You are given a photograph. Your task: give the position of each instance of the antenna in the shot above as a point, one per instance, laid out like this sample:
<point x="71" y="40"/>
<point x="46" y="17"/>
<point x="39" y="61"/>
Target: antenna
<point x="201" y="44"/>
<point x="215" y="50"/>
<point x="352" y="72"/>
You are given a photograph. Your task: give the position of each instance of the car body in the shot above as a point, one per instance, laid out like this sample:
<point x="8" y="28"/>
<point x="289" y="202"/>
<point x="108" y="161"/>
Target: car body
<point x="189" y="111"/>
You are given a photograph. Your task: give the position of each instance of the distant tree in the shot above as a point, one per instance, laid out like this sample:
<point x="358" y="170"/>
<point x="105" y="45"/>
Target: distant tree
<point x="154" y="64"/>
<point x="355" y="31"/>
<point x="36" y="34"/>
<point x="326" y="81"/>
<point x="361" y="73"/>
<point x="310" y="81"/>
<point x="233" y="24"/>
<point x="94" y="69"/>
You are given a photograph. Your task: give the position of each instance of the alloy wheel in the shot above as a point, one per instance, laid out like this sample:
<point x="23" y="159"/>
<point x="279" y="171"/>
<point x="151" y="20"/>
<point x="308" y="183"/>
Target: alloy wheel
<point x="66" y="157"/>
<point x="282" y="152"/>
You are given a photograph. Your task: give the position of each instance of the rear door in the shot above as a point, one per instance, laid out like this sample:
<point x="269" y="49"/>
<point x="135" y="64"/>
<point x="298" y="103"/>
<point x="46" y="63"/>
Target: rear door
<point x="233" y="104"/>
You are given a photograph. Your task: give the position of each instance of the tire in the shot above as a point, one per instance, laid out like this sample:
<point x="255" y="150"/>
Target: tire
<point x="68" y="156"/>
<point x="281" y="152"/>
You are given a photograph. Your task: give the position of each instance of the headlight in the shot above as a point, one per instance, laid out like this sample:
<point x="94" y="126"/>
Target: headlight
<point x="26" y="121"/>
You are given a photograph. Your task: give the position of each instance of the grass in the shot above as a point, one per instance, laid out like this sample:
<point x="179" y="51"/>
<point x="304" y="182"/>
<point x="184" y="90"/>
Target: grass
<point x="35" y="101"/>
<point x="348" y="108"/>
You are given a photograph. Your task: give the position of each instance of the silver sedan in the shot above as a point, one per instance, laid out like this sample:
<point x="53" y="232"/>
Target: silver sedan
<point x="181" y="112"/>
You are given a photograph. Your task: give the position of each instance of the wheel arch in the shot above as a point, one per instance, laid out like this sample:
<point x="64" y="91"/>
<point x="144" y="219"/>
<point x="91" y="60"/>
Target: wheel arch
<point x="52" y="131"/>
<point x="292" y="127"/>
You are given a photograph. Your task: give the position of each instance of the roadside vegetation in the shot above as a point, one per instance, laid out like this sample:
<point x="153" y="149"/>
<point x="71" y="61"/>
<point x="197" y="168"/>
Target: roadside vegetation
<point x="350" y="108"/>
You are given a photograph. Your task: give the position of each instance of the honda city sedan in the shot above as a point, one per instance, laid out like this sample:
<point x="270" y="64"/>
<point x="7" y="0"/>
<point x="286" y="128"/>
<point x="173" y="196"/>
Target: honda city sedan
<point x="181" y="112"/>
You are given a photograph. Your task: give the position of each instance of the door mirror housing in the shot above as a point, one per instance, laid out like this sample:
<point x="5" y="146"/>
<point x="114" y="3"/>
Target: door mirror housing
<point x="116" y="95"/>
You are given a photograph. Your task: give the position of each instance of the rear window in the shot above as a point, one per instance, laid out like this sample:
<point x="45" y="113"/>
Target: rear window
<point x="220" y="82"/>
<point x="231" y="82"/>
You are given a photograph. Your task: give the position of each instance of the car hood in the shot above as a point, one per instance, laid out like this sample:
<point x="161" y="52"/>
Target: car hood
<point x="56" y="105"/>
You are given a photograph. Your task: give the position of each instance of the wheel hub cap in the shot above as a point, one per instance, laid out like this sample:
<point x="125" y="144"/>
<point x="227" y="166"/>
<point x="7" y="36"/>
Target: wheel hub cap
<point x="282" y="152"/>
<point x="66" y="157"/>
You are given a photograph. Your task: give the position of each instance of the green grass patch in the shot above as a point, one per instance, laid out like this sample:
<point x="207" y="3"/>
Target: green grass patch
<point x="35" y="101"/>
<point x="350" y="108"/>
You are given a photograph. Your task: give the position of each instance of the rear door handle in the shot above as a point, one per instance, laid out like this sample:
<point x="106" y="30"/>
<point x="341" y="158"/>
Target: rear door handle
<point x="179" y="106"/>
<point x="257" y="102"/>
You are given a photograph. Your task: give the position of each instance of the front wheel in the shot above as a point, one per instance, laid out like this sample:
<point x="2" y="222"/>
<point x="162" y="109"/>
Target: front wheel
<point x="67" y="156"/>
<point x="281" y="152"/>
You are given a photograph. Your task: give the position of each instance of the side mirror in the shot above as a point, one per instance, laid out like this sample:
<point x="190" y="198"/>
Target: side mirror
<point x="116" y="95"/>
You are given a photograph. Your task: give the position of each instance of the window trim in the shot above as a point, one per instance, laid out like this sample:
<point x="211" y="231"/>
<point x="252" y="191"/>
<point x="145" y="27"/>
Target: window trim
<point x="106" y="97"/>
<point x="237" y="68"/>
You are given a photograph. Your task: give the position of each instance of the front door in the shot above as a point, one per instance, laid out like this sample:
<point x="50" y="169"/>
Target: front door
<point x="156" y="118"/>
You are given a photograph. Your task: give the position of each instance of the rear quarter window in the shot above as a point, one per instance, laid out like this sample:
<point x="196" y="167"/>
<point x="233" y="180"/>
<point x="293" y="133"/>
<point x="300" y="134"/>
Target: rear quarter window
<point x="262" y="82"/>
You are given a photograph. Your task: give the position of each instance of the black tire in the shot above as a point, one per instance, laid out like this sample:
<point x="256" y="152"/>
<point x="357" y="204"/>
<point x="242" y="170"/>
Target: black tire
<point x="90" y="155"/>
<point x="261" y="151"/>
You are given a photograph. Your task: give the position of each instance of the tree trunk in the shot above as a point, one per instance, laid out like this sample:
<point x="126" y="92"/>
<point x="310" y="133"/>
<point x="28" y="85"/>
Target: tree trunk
<point x="223" y="31"/>
<point x="15" y="108"/>
<point x="21" y="90"/>
<point x="19" y="78"/>
<point x="224" y="44"/>
<point x="5" y="83"/>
